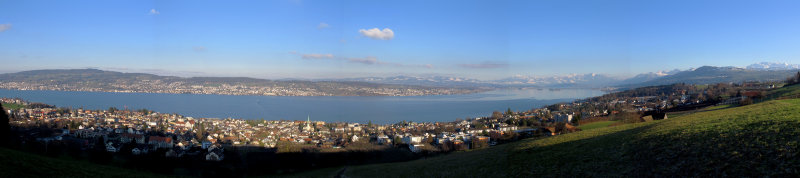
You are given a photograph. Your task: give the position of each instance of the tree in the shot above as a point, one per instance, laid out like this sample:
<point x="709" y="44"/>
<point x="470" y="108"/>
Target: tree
<point x="497" y="115"/>
<point x="509" y="112"/>
<point x="200" y="133"/>
<point x="793" y="79"/>
<point x="576" y="119"/>
<point x="397" y="140"/>
<point x="5" y="128"/>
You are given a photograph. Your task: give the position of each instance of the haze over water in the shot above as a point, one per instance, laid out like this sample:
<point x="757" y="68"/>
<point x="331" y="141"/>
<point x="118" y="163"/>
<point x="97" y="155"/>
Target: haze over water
<point x="378" y="109"/>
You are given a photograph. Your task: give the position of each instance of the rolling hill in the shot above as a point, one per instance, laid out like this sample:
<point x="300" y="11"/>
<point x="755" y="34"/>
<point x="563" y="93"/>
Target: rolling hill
<point x="111" y="81"/>
<point x="21" y="164"/>
<point x="753" y="140"/>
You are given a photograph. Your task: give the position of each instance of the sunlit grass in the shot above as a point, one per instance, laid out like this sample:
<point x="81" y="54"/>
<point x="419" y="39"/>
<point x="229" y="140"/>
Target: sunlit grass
<point x="595" y="125"/>
<point x="757" y="140"/>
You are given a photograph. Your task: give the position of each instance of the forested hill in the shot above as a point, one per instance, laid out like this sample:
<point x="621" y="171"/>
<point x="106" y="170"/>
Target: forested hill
<point x="711" y="75"/>
<point x="110" y="81"/>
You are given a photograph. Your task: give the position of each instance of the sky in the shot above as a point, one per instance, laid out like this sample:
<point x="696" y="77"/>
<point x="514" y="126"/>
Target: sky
<point x="342" y="39"/>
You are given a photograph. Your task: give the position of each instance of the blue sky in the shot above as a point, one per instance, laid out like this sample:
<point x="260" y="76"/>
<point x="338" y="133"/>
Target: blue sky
<point x="335" y="39"/>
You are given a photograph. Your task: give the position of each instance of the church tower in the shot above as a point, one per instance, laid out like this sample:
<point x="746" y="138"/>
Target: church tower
<point x="308" y="124"/>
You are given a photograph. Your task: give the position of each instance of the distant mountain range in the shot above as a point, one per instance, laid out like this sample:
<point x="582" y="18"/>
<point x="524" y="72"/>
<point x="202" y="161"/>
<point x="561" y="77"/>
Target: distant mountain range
<point x="764" y="71"/>
<point x="110" y="81"/>
<point x="709" y="75"/>
<point x="773" y="66"/>
<point x="98" y="80"/>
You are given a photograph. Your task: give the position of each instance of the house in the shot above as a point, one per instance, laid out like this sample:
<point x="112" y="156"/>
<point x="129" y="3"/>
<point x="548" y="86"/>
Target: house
<point x="136" y="151"/>
<point x="212" y="156"/>
<point x="563" y="118"/>
<point x="160" y="142"/>
<point x="129" y="137"/>
<point x="549" y="131"/>
<point x="112" y="147"/>
<point x="571" y="128"/>
<point x="412" y="139"/>
<point x="416" y="148"/>
<point x="215" y="154"/>
<point x="206" y="144"/>
<point x="383" y="139"/>
<point x="482" y="139"/>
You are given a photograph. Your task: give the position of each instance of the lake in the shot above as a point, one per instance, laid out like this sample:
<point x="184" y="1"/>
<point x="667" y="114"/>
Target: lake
<point x="378" y="109"/>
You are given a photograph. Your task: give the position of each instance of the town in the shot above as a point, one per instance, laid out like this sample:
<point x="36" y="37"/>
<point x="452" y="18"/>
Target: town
<point x="144" y="132"/>
<point x="93" y="80"/>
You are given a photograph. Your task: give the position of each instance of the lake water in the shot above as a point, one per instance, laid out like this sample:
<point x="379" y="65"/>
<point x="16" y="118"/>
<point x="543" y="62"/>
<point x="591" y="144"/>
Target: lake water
<point x="378" y="109"/>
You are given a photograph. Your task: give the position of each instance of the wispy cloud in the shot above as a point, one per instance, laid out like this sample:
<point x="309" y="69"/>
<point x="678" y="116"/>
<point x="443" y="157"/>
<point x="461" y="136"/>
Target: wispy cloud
<point x="154" y="12"/>
<point x="365" y="60"/>
<point x="317" y="56"/>
<point x="199" y="48"/>
<point x="485" y="65"/>
<point x="4" y="27"/>
<point x="369" y="60"/>
<point x="375" y="33"/>
<point x="323" y="25"/>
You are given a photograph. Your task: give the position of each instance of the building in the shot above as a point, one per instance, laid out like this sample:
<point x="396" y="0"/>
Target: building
<point x="160" y="142"/>
<point x="412" y="139"/>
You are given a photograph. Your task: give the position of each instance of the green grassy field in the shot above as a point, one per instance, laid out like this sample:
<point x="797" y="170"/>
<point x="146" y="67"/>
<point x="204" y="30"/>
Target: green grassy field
<point x="786" y="91"/>
<point x="20" y="164"/>
<point x="12" y="106"/>
<point x="754" y="140"/>
<point x="716" y="107"/>
<point x="595" y="125"/>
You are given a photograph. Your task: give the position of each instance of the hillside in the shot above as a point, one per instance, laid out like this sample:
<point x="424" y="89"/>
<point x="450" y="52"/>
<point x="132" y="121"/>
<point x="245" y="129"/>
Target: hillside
<point x="21" y="164"/>
<point x="754" y="140"/>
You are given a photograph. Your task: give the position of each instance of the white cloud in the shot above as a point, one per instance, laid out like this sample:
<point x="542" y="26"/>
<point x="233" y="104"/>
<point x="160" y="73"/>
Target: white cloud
<point x="323" y="25"/>
<point x="317" y="56"/>
<point x="369" y="60"/>
<point x="154" y="12"/>
<point x="4" y="27"/>
<point x="375" y="33"/>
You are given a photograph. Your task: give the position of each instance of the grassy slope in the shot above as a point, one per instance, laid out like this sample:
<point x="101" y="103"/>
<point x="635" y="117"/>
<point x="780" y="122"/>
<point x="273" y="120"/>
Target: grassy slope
<point x="12" y="106"/>
<point x="595" y="125"/>
<point x="20" y="164"/>
<point x="786" y="91"/>
<point x="756" y="140"/>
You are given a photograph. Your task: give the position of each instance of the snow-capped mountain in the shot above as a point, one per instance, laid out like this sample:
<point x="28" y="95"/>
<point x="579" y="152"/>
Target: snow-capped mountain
<point x="571" y="80"/>
<point x="765" y="71"/>
<point x="773" y="66"/>
<point x="420" y="80"/>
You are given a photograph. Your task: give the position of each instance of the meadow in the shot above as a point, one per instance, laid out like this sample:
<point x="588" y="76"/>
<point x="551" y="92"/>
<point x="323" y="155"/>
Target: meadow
<point x="752" y="140"/>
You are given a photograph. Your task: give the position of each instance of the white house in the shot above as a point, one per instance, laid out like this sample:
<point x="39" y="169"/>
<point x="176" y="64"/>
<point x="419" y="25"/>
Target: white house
<point x="415" y="148"/>
<point x="412" y="139"/>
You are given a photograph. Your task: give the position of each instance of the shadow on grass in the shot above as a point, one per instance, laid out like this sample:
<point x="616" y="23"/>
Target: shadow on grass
<point x="602" y="155"/>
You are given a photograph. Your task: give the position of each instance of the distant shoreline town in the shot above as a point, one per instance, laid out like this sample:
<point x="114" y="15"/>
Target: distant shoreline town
<point x="93" y="80"/>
